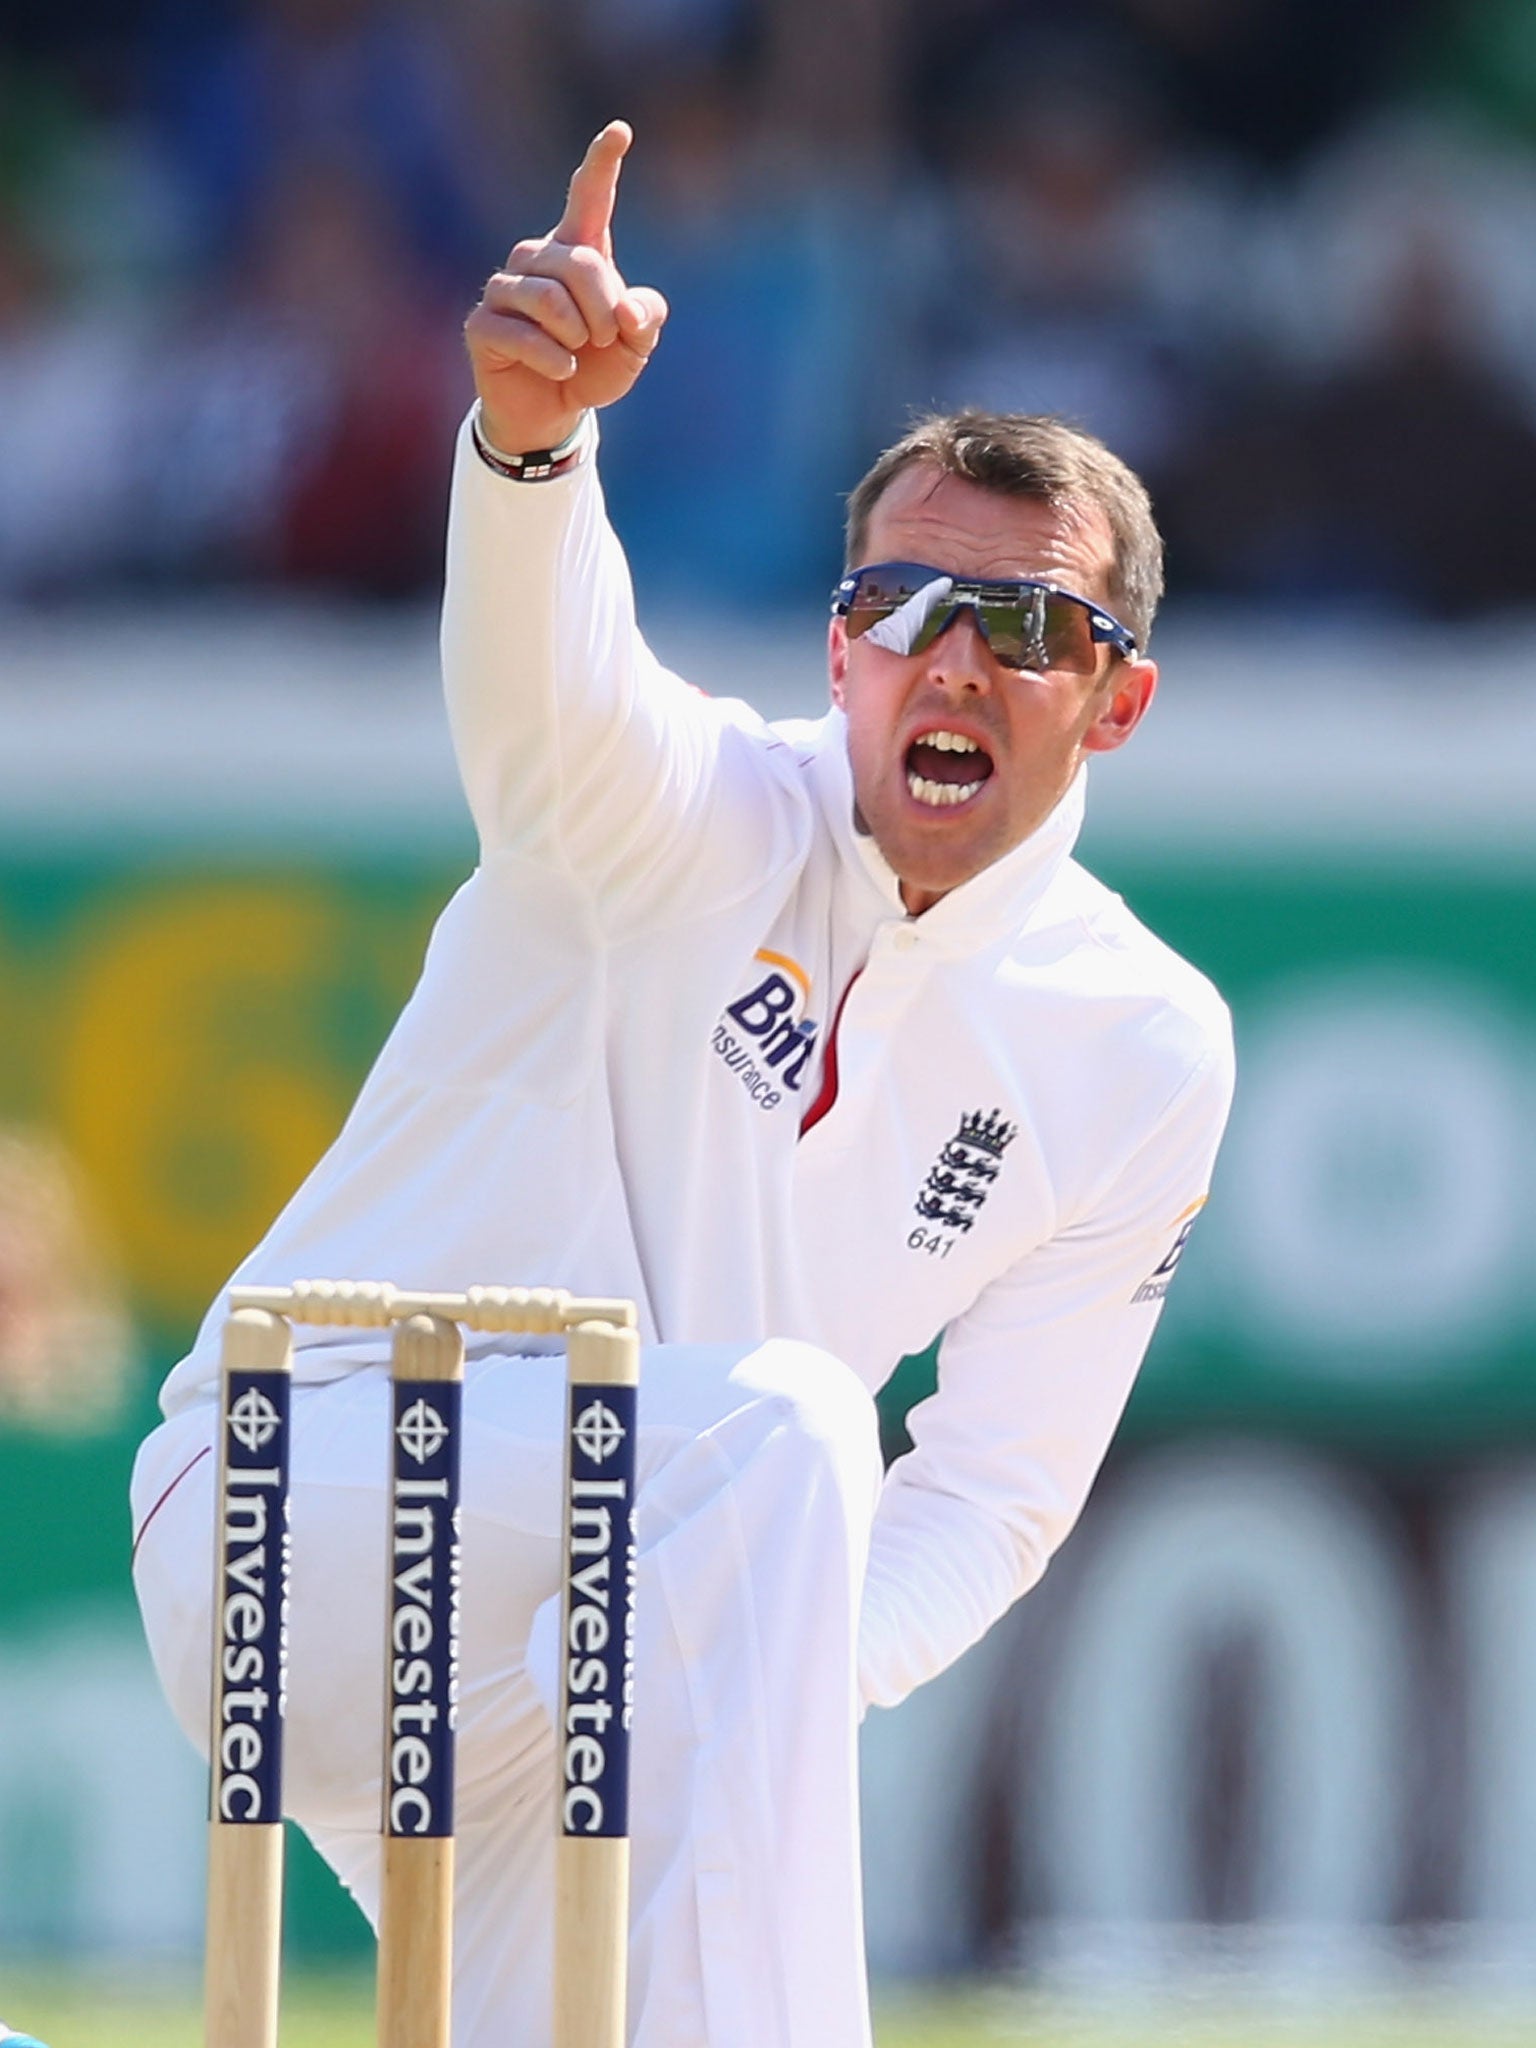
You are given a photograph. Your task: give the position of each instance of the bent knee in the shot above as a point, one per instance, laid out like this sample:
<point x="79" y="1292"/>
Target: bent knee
<point x="819" y="1402"/>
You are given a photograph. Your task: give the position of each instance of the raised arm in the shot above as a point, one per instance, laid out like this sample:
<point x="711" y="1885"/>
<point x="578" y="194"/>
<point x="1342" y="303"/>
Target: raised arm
<point x="575" y="746"/>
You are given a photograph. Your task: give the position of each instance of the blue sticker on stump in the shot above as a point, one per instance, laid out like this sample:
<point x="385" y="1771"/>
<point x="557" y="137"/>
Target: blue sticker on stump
<point x="247" y="1780"/>
<point x="424" y="1610"/>
<point x="597" y="1692"/>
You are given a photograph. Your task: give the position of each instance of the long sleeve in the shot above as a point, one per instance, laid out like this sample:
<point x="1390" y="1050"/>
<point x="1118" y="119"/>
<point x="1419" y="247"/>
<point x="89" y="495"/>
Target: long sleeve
<point x="1033" y="1379"/>
<point x="575" y="746"/>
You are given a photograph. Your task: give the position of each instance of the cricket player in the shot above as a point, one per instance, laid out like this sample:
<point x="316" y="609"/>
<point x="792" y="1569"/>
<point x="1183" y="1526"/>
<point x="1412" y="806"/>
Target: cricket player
<point x="816" y="1041"/>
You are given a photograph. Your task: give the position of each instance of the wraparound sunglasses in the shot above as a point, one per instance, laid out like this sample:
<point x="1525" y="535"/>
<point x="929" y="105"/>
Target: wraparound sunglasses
<point x="905" y="606"/>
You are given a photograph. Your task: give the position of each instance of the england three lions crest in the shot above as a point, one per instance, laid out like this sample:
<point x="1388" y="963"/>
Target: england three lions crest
<point x="961" y="1178"/>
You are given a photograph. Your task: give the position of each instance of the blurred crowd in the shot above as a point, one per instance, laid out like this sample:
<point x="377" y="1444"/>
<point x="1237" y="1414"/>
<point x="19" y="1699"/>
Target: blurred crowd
<point x="1281" y="253"/>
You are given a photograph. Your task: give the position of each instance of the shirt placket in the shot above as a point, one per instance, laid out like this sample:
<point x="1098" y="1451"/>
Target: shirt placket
<point x="870" y="1012"/>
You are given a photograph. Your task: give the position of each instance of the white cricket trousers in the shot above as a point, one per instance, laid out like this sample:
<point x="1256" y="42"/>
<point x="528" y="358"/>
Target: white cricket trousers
<point x="758" y="1477"/>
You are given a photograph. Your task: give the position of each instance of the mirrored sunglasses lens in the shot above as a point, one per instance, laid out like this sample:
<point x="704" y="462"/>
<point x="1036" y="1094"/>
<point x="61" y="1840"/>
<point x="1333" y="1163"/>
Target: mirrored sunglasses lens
<point x="878" y="593"/>
<point x="1040" y="632"/>
<point x="1033" y="630"/>
<point x="1015" y="629"/>
<point x="1006" y="628"/>
<point x="1068" y="635"/>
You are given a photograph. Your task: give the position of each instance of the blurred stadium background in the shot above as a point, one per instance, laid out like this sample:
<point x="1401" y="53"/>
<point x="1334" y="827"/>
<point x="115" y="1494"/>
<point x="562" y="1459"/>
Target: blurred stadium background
<point x="1265" y="1740"/>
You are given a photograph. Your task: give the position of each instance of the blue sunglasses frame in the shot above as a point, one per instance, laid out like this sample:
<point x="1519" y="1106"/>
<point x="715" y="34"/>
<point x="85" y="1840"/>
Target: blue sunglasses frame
<point x="978" y="593"/>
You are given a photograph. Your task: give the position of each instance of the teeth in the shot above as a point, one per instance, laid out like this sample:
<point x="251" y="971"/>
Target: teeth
<point x="941" y="793"/>
<point x="950" y="742"/>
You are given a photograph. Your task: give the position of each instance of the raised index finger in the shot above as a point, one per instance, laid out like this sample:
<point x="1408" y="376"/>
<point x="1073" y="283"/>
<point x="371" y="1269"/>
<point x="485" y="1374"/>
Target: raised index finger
<point x="588" y="213"/>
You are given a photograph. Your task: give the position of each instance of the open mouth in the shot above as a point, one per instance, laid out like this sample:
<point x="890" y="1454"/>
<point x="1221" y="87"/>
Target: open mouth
<point x="946" y="768"/>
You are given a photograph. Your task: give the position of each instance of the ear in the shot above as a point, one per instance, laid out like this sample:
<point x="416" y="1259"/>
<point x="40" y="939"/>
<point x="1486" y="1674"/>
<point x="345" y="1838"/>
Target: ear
<point x="837" y="660"/>
<point x="1134" y="684"/>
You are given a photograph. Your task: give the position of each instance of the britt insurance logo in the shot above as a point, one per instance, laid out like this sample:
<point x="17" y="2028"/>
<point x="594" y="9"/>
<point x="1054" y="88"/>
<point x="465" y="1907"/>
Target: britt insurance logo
<point x="1158" y="1281"/>
<point x="765" y="1037"/>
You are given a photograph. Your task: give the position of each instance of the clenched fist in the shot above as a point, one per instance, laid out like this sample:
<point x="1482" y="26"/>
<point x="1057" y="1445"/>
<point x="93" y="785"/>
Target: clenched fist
<point x="558" y="329"/>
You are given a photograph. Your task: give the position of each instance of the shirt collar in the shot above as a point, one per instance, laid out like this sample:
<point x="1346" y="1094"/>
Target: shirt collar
<point x="991" y="905"/>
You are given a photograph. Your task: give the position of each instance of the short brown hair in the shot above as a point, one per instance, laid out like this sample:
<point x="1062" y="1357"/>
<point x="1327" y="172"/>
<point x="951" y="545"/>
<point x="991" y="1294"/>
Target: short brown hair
<point x="1032" y="455"/>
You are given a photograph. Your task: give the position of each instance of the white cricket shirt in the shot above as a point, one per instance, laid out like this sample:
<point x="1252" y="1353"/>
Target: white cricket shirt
<point x="600" y="1080"/>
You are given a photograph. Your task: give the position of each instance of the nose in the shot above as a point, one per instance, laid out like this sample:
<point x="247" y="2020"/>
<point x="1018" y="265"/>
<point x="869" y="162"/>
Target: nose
<point x="959" y="659"/>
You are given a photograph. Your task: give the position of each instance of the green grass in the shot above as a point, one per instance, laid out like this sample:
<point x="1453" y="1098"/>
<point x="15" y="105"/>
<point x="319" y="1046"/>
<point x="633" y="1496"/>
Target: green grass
<point x="95" y="2012"/>
<point x="336" y="2012"/>
<point x="993" y="2019"/>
